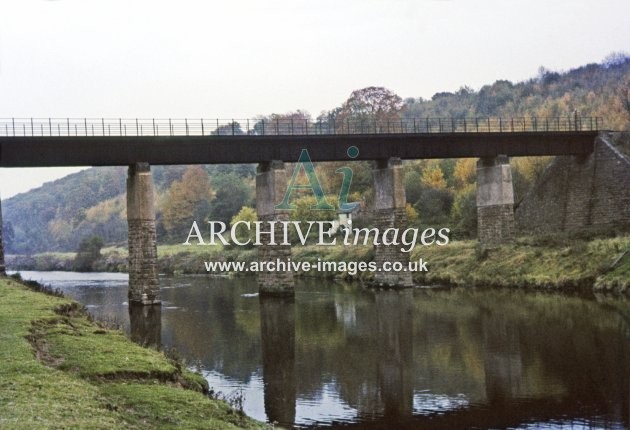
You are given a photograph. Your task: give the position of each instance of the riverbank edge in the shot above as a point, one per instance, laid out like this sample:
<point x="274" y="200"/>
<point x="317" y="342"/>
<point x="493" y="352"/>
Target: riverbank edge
<point x="560" y="262"/>
<point x="61" y="369"/>
<point x="596" y="265"/>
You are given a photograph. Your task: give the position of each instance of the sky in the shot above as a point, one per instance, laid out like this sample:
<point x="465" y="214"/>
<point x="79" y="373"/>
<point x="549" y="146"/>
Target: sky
<point x="242" y="58"/>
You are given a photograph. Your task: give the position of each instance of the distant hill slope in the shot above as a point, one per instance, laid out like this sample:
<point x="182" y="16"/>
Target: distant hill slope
<point x="59" y="214"/>
<point x="51" y="217"/>
<point x="593" y="90"/>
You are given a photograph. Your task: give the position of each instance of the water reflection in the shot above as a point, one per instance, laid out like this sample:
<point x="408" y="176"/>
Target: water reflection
<point x="342" y="356"/>
<point x="277" y="331"/>
<point x="503" y="367"/>
<point x="394" y="328"/>
<point x="146" y="324"/>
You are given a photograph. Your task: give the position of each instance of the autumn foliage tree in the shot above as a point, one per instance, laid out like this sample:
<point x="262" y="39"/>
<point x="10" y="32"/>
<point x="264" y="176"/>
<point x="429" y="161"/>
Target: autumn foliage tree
<point x="292" y="123"/>
<point x="186" y="200"/>
<point x="370" y="109"/>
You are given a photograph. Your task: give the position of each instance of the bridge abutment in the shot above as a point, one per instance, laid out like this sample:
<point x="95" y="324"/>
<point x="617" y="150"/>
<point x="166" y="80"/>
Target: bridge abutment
<point x="271" y="183"/>
<point x="495" y="200"/>
<point x="389" y="212"/>
<point x="581" y="192"/>
<point x="144" y="288"/>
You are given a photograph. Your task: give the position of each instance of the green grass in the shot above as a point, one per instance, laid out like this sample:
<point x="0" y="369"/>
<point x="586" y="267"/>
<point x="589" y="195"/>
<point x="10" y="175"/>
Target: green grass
<point x="530" y="262"/>
<point x="59" y="255"/>
<point x="114" y="250"/>
<point x="60" y="370"/>
<point x="93" y="352"/>
<point x="172" y="409"/>
<point x="166" y="250"/>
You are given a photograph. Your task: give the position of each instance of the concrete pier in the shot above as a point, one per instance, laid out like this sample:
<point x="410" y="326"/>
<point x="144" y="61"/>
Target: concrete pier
<point x="389" y="212"/>
<point x="271" y="184"/>
<point x="143" y="280"/>
<point x="495" y="200"/>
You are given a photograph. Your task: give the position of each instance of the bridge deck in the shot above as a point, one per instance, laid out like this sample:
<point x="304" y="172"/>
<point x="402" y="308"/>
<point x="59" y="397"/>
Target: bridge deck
<point x="117" y="150"/>
<point x="100" y="142"/>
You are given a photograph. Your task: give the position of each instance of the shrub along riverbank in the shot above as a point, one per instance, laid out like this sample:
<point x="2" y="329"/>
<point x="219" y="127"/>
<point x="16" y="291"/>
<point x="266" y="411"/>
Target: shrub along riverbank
<point x="557" y="261"/>
<point x="61" y="370"/>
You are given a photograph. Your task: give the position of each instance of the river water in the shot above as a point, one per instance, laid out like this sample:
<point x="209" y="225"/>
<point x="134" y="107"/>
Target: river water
<point x="342" y="356"/>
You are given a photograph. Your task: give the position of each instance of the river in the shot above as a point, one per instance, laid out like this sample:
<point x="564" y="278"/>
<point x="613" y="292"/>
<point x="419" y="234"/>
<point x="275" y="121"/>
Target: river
<point x="342" y="356"/>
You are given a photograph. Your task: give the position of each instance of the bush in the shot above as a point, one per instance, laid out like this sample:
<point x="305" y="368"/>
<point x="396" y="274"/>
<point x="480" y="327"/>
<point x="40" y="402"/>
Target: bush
<point x="89" y="251"/>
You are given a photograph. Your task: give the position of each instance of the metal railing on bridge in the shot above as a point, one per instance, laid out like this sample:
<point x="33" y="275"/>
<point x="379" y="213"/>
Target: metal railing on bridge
<point x="287" y="126"/>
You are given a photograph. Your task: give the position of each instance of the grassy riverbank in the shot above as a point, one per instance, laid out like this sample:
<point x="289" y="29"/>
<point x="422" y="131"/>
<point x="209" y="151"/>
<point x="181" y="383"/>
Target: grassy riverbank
<point x="560" y="261"/>
<point x="61" y="370"/>
<point x="554" y="262"/>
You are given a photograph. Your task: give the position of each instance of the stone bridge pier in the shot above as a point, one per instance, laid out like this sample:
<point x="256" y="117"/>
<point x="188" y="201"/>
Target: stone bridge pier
<point x="271" y="183"/>
<point x="495" y="200"/>
<point x="389" y="212"/>
<point x="144" y="288"/>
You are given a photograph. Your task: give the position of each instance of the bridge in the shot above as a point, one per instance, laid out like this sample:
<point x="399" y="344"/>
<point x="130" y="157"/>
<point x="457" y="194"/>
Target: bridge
<point x="34" y="142"/>
<point x="138" y="143"/>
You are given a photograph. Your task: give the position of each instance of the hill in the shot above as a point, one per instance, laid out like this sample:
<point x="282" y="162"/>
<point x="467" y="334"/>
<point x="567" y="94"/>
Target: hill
<point x="59" y="214"/>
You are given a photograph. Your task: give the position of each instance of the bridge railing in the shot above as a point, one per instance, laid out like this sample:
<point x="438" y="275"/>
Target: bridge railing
<point x="287" y="126"/>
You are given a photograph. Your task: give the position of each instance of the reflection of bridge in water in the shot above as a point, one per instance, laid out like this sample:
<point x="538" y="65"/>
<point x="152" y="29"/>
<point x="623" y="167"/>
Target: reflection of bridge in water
<point x="138" y="143"/>
<point x="404" y="353"/>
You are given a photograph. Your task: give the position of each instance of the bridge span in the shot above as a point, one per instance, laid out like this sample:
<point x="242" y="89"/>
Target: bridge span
<point x="101" y="142"/>
<point x="270" y="142"/>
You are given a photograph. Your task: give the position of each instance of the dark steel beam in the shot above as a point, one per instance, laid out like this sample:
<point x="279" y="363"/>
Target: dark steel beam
<point x="117" y="150"/>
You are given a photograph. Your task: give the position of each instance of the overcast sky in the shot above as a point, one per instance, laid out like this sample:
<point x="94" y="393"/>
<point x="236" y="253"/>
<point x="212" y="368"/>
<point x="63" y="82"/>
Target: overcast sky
<point x="241" y="58"/>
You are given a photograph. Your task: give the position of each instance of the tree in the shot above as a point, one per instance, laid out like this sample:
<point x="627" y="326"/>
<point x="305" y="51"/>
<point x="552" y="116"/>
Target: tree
<point x="288" y="123"/>
<point x="411" y="213"/>
<point x="624" y="97"/>
<point x="8" y="234"/>
<point x="247" y="214"/>
<point x="232" y="128"/>
<point x="373" y="101"/>
<point x="433" y="177"/>
<point x="186" y="200"/>
<point x="89" y="251"/>
<point x="465" y="172"/>
<point x="232" y="194"/>
<point x="464" y="210"/>
<point x="434" y="205"/>
<point x="413" y="183"/>
<point x="370" y="109"/>
<point x="532" y="168"/>
<point x="615" y="59"/>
